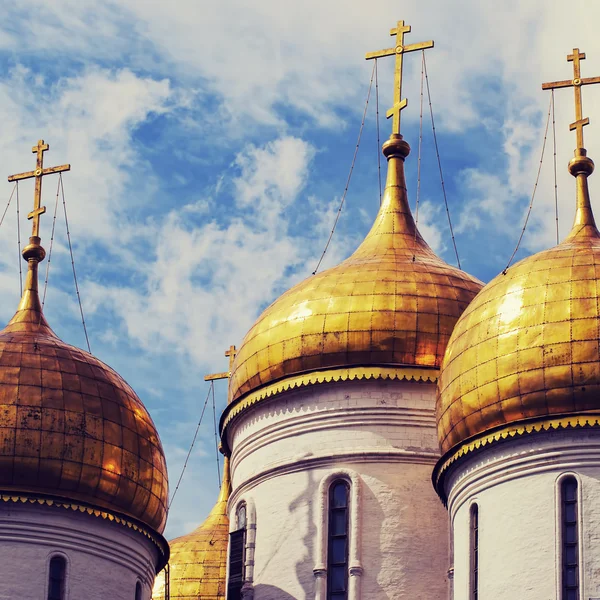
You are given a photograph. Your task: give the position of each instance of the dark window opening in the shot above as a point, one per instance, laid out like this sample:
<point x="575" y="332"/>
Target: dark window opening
<point x="337" y="547"/>
<point x="138" y="591"/>
<point x="570" y="539"/>
<point x="474" y="552"/>
<point x="56" y="578"/>
<point x="237" y="556"/>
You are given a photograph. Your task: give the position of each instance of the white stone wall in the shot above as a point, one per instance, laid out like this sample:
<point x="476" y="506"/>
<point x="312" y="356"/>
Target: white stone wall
<point x="104" y="559"/>
<point x="516" y="487"/>
<point x="382" y="434"/>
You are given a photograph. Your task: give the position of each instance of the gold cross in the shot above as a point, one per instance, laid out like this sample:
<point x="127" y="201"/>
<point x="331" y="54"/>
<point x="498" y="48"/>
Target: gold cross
<point x="576" y="83"/>
<point x="231" y="354"/>
<point x="38" y="174"/>
<point x="399" y="50"/>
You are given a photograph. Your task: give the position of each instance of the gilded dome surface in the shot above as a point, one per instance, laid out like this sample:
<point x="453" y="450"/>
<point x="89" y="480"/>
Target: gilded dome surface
<point x="526" y="349"/>
<point x="393" y="302"/>
<point x="198" y="560"/>
<point x="70" y="426"/>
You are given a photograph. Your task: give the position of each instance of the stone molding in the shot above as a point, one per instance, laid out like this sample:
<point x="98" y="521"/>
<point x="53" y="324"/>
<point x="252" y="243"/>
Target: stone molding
<point x="523" y="457"/>
<point x="326" y="459"/>
<point x="36" y="525"/>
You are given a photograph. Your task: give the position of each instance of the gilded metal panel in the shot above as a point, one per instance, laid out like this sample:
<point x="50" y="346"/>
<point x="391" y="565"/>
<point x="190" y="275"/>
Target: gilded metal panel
<point x="393" y="302"/>
<point x="198" y="560"/>
<point x="527" y="347"/>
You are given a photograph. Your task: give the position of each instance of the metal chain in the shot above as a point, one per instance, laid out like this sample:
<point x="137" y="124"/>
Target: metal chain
<point x="73" y="263"/>
<point x="419" y="156"/>
<point x="337" y="217"/>
<point x="19" y="258"/>
<point x="9" y="201"/>
<point x="187" y="458"/>
<point x="555" y="179"/>
<point x="216" y="435"/>
<point x="378" y="138"/>
<point x="534" y="190"/>
<point x="50" y="249"/>
<point x="437" y="152"/>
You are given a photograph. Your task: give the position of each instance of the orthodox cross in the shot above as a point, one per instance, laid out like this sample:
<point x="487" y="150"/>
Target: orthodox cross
<point x="231" y="354"/>
<point x="38" y="174"/>
<point x="399" y="50"/>
<point x="575" y="83"/>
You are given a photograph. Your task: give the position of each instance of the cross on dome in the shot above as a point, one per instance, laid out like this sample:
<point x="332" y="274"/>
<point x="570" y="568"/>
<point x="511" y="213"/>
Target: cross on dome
<point x="399" y="50"/>
<point x="225" y="375"/>
<point x="38" y="173"/>
<point x="575" y="83"/>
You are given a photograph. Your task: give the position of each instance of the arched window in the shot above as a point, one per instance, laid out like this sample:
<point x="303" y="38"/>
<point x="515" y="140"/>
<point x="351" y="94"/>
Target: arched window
<point x="237" y="555"/>
<point x="56" y="578"/>
<point x="138" y="591"/>
<point x="474" y="552"/>
<point x="337" y="546"/>
<point x="570" y="539"/>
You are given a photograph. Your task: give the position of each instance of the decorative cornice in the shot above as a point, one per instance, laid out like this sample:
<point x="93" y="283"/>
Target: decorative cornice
<point x="502" y="434"/>
<point x="158" y="540"/>
<point x="400" y="373"/>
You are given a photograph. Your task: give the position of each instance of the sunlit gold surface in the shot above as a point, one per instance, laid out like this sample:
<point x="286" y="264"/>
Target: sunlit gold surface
<point x="527" y="347"/>
<point x="399" y="50"/>
<point x="393" y="302"/>
<point x="199" y="560"/>
<point x="70" y="427"/>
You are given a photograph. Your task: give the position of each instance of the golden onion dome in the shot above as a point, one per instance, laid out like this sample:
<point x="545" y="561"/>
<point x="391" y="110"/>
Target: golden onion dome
<point x="198" y="563"/>
<point x="524" y="355"/>
<point x="70" y="427"/>
<point x="393" y="303"/>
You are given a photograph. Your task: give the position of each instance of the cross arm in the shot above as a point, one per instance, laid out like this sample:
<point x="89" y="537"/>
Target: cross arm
<point x="215" y="376"/>
<point x="380" y="53"/>
<point x="36" y="173"/>
<point x="419" y="46"/>
<point x="569" y="83"/>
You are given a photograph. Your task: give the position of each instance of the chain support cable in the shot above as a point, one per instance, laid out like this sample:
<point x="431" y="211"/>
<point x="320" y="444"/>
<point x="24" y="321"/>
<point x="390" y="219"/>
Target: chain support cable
<point x="216" y="435"/>
<point x="555" y="175"/>
<point x="73" y="263"/>
<point x="437" y="152"/>
<point x="537" y="179"/>
<point x="419" y="156"/>
<point x="8" y="204"/>
<point x="187" y="458"/>
<point x="50" y="250"/>
<point x="19" y="257"/>
<point x="378" y="136"/>
<point x="337" y="216"/>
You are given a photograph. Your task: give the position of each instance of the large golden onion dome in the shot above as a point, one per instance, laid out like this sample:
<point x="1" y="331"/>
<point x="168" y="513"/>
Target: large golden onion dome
<point x="198" y="563"/>
<point x="70" y="427"/>
<point x="524" y="356"/>
<point x="392" y="304"/>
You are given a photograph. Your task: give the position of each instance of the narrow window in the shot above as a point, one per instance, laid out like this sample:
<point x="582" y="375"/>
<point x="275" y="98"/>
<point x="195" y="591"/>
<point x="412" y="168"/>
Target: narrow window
<point x="56" y="578"/>
<point x="474" y="552"/>
<point x="570" y="539"/>
<point x="237" y="555"/>
<point x="138" y="591"/>
<point x="337" y="547"/>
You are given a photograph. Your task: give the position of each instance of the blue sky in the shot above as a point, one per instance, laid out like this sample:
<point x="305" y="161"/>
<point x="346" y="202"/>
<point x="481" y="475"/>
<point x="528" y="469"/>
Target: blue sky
<point x="210" y="144"/>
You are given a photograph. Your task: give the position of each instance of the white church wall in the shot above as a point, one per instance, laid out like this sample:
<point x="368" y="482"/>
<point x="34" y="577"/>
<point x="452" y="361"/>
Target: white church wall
<point x="104" y="560"/>
<point x="379" y="433"/>
<point x="516" y="486"/>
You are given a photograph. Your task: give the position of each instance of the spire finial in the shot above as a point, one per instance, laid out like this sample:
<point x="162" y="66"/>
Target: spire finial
<point x="398" y="50"/>
<point x="31" y="251"/>
<point x="581" y="166"/>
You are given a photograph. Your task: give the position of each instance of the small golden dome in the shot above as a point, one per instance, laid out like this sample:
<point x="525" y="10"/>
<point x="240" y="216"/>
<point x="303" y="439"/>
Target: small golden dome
<point x="393" y="302"/>
<point x="198" y="560"/>
<point x="524" y="355"/>
<point x="70" y="426"/>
